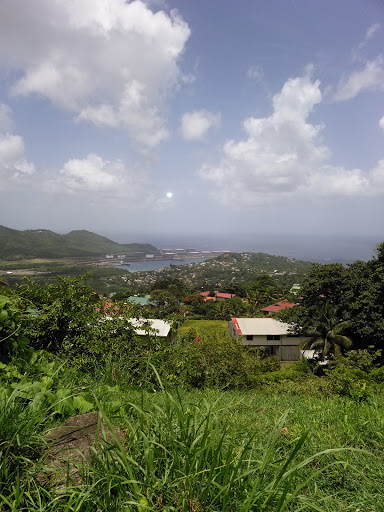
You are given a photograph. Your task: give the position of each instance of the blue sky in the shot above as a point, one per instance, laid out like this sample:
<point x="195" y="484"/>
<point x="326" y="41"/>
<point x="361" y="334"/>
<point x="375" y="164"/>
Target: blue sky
<point x="203" y="116"/>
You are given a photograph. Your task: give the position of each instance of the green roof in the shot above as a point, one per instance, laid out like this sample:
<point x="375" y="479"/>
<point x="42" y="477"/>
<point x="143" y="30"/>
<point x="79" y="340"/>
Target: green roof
<point x="143" y="301"/>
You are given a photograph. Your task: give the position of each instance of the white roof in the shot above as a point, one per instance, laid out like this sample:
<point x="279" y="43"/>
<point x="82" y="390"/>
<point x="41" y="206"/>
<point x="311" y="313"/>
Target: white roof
<point x="260" y="326"/>
<point x="156" y="326"/>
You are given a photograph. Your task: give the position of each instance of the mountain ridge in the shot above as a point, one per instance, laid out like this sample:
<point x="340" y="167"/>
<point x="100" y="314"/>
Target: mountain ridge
<point x="43" y="243"/>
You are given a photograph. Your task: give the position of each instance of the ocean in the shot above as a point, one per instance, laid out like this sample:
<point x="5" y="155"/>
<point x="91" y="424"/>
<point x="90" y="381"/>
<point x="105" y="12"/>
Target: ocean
<point x="319" y="248"/>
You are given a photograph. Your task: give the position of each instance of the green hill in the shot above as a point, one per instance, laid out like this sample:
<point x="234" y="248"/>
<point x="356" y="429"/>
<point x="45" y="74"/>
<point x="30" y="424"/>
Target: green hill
<point x="42" y="243"/>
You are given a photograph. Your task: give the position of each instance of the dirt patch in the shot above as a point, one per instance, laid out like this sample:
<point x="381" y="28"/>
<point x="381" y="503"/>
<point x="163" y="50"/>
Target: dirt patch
<point x="71" y="446"/>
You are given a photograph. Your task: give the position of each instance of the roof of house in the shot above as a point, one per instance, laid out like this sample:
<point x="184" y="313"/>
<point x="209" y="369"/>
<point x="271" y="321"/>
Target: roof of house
<point x="279" y="306"/>
<point x="219" y="295"/>
<point x="143" y="301"/>
<point x="152" y="326"/>
<point x="259" y="326"/>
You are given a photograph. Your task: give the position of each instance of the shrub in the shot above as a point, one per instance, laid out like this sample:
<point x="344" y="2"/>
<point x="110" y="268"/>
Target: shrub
<point x="200" y="361"/>
<point x="350" y="383"/>
<point x="377" y="374"/>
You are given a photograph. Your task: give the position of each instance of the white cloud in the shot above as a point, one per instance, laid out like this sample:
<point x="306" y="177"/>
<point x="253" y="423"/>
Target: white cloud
<point x="6" y="123"/>
<point x="134" y="112"/>
<point x="110" y="62"/>
<point x="13" y="164"/>
<point x="369" y="34"/>
<point x="94" y="174"/>
<point x="107" y="180"/>
<point x="195" y="125"/>
<point x="381" y="123"/>
<point x="282" y="155"/>
<point x="369" y="78"/>
<point x="371" y="31"/>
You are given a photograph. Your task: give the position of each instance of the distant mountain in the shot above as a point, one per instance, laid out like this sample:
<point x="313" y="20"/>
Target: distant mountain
<point x="42" y="243"/>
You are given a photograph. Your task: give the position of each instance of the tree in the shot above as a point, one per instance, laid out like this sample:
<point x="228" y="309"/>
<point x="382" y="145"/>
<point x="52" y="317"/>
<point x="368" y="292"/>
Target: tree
<point x="325" y="332"/>
<point x="165" y="302"/>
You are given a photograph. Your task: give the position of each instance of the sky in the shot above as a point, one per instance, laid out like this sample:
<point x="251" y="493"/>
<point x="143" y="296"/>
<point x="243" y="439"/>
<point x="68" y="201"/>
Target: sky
<point x="193" y="116"/>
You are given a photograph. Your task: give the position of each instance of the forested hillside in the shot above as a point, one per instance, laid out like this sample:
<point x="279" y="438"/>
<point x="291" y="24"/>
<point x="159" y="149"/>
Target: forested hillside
<point x="42" y="243"/>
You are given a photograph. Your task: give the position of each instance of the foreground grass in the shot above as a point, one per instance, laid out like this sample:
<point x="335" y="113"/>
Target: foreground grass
<point x="264" y="450"/>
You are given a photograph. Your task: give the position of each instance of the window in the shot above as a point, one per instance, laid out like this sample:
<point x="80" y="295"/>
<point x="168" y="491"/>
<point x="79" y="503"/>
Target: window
<point x="273" y="337"/>
<point x="249" y="337"/>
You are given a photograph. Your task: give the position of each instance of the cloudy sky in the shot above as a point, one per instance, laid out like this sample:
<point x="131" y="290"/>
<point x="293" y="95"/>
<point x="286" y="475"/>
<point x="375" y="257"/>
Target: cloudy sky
<point x="192" y="116"/>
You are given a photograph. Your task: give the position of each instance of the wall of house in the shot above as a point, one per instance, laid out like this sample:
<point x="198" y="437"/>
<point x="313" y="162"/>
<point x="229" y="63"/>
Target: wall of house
<point x="286" y="348"/>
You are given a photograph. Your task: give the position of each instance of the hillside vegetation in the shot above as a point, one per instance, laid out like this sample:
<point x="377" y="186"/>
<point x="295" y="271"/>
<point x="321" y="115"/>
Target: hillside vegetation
<point x="206" y="424"/>
<point x="42" y="243"/>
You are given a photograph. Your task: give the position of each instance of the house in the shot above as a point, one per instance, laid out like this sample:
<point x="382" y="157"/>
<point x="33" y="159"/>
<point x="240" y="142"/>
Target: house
<point x="146" y="327"/>
<point x="217" y="297"/>
<point x="153" y="327"/>
<point x="269" y="334"/>
<point x="279" y="306"/>
<point x="142" y="301"/>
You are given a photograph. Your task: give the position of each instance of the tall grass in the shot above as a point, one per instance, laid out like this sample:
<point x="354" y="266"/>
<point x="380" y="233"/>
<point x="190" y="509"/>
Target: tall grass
<point x="180" y="456"/>
<point x="203" y="451"/>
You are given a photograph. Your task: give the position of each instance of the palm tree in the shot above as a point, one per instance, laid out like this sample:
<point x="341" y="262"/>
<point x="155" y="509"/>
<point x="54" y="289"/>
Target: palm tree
<point x="325" y="333"/>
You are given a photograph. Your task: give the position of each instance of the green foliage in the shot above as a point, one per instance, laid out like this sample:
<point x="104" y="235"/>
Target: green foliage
<point x="11" y="338"/>
<point x="325" y="332"/>
<point x="165" y="303"/>
<point x="350" y="383"/>
<point x="356" y="293"/>
<point x="174" y="286"/>
<point x="63" y="313"/>
<point x="211" y="360"/>
<point x="377" y="374"/>
<point x="362" y="359"/>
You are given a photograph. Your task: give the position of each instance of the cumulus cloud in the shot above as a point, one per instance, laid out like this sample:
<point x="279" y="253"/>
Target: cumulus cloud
<point x="95" y="174"/>
<point x="195" y="125"/>
<point x="98" y="178"/>
<point x="110" y="62"/>
<point x="283" y="155"/>
<point x="13" y="164"/>
<point x="371" y="77"/>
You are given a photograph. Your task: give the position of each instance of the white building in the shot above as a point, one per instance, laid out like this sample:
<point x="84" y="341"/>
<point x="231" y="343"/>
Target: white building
<point x="269" y="334"/>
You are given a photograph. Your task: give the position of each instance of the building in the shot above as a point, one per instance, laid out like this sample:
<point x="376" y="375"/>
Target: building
<point x="149" y="327"/>
<point x="279" y="306"/>
<point x="217" y="297"/>
<point x="269" y="334"/>
<point x="153" y="327"/>
<point x="141" y="301"/>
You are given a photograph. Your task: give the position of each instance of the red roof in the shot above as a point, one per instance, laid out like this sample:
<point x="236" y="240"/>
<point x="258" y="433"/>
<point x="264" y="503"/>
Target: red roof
<point x="279" y="306"/>
<point x="236" y="326"/>
<point x="218" y="295"/>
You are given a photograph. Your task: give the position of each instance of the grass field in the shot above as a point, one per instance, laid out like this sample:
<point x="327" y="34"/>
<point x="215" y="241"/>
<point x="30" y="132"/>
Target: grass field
<point x="262" y="451"/>
<point x="205" y="326"/>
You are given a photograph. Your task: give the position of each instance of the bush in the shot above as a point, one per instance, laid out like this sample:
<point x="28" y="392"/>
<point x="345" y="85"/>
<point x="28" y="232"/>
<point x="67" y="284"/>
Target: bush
<point x="377" y="374"/>
<point x="199" y="361"/>
<point x="350" y="383"/>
